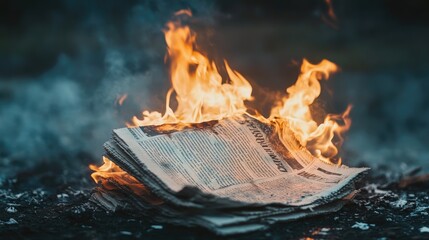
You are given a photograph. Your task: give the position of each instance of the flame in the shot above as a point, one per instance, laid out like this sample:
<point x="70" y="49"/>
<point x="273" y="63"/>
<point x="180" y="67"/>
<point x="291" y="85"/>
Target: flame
<point x="295" y="108"/>
<point x="120" y="99"/>
<point x="331" y="18"/>
<point x="201" y="94"/>
<point x="331" y="12"/>
<point x="108" y="171"/>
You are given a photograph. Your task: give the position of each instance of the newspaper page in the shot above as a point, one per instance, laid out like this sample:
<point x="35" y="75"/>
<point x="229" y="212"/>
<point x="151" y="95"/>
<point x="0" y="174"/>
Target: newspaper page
<point x="240" y="159"/>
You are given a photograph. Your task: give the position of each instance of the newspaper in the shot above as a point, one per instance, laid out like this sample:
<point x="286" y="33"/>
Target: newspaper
<point x="235" y="174"/>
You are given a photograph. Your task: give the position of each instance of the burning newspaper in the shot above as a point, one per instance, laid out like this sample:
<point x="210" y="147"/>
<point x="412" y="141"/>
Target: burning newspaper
<point x="232" y="175"/>
<point x="210" y="163"/>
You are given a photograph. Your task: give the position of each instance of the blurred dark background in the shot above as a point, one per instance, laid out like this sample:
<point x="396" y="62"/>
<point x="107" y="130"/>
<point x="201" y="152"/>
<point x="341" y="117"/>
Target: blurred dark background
<point x="63" y="65"/>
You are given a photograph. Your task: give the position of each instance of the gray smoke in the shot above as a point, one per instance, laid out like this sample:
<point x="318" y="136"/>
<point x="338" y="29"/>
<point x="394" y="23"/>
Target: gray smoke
<point x="64" y="114"/>
<point x="390" y="113"/>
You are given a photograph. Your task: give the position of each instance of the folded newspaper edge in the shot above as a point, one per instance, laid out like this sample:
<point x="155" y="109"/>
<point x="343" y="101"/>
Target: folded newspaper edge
<point x="229" y="176"/>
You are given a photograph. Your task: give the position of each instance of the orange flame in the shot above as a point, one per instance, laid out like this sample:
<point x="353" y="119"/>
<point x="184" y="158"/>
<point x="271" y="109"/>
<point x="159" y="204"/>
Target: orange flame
<point x="331" y="19"/>
<point x="108" y="171"/>
<point x="331" y="12"/>
<point x="203" y="95"/>
<point x="120" y="99"/>
<point x="295" y="108"/>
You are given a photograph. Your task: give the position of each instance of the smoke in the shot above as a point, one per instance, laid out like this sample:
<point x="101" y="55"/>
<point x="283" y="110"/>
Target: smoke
<point x="62" y="114"/>
<point x="390" y="113"/>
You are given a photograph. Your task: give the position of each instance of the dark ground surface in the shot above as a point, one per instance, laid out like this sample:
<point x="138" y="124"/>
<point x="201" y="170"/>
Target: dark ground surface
<point x="58" y="208"/>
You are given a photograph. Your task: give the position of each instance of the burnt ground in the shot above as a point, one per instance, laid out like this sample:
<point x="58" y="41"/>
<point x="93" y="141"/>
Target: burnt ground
<point x="54" y="205"/>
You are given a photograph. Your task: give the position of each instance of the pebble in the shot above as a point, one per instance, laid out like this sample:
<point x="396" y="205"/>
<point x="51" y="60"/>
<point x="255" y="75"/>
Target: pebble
<point x="11" y="210"/>
<point x="126" y="233"/>
<point x="420" y="209"/>
<point x="362" y="226"/>
<point x="400" y="203"/>
<point x="11" y="221"/>
<point x="158" y="227"/>
<point x="424" y="229"/>
<point x="324" y="231"/>
<point x="63" y="197"/>
<point x="78" y="209"/>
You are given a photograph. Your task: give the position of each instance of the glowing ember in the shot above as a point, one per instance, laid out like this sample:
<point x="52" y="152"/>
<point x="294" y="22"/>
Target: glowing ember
<point x="120" y="99"/>
<point x="331" y="12"/>
<point x="203" y="95"/>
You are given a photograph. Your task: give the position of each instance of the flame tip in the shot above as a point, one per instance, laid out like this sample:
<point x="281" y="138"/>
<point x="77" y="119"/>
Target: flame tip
<point x="187" y="12"/>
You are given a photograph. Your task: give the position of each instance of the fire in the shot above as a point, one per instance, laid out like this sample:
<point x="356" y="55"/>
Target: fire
<point x="201" y="94"/>
<point x="120" y="99"/>
<point x="331" y="18"/>
<point x="331" y="12"/>
<point x="109" y="171"/>
<point x="295" y="108"/>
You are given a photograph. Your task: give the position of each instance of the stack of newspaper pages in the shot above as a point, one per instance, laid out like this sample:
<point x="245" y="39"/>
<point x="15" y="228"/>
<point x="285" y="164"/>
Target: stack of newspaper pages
<point x="230" y="176"/>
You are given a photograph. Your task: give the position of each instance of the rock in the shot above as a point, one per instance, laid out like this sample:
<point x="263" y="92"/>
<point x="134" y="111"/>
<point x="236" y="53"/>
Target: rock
<point x="10" y="222"/>
<point x="157" y="227"/>
<point x="362" y="226"/>
<point x="11" y="210"/>
<point x="127" y="233"/>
